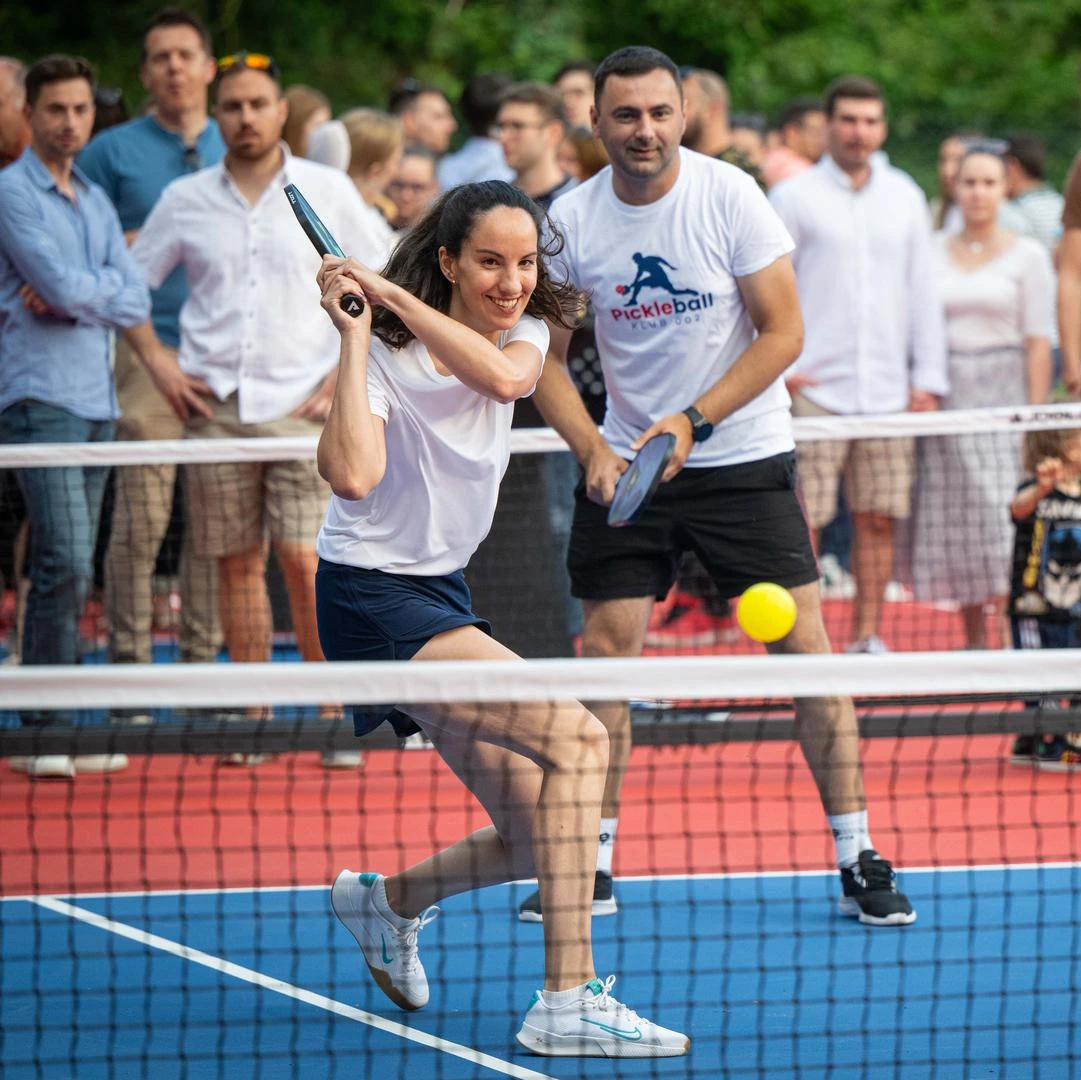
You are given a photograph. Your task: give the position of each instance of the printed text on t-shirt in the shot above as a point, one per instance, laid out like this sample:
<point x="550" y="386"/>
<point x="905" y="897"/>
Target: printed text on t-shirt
<point x="651" y="272"/>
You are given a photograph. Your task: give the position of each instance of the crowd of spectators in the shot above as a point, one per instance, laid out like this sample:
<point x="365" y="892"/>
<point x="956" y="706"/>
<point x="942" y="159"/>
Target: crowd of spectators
<point x="154" y="286"/>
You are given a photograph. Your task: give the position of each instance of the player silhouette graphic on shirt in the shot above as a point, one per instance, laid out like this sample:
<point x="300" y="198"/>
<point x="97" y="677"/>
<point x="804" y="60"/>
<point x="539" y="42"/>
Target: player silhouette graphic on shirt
<point x="651" y="275"/>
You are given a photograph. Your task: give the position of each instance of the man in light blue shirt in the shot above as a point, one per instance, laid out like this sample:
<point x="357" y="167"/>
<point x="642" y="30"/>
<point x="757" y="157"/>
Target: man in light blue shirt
<point x="134" y="162"/>
<point x="66" y="282"/>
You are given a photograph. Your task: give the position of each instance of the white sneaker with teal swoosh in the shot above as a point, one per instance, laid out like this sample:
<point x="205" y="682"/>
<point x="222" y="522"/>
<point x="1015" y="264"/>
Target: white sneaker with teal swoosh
<point x="594" y="1024"/>
<point x="389" y="951"/>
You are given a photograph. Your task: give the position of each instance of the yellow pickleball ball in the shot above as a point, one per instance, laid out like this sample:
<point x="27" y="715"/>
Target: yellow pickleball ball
<point x="766" y="612"/>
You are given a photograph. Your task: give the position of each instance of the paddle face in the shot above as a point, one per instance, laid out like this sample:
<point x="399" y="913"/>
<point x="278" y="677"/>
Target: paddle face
<point x="322" y="241"/>
<point x="637" y="485"/>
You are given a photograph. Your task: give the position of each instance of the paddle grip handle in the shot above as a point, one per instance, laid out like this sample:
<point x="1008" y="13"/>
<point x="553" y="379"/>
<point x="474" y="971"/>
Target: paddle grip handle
<point x="352" y="305"/>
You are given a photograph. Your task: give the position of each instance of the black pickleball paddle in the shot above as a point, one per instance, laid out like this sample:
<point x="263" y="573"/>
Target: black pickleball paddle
<point x="636" y="486"/>
<point x="322" y="241"/>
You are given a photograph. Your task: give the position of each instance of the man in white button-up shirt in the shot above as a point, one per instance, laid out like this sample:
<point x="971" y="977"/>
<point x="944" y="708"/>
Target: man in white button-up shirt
<point x="257" y="355"/>
<point x="875" y="338"/>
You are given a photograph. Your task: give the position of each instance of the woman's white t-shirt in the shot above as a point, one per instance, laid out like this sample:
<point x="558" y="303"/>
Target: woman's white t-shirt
<point x="447" y="450"/>
<point x="670" y="319"/>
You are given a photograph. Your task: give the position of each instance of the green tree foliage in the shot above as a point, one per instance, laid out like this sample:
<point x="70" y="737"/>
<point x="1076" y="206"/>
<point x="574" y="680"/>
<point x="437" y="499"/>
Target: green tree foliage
<point x="996" y="65"/>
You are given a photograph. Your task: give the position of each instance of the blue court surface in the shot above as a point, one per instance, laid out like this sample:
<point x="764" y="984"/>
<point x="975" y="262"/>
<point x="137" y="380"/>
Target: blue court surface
<point x="760" y="971"/>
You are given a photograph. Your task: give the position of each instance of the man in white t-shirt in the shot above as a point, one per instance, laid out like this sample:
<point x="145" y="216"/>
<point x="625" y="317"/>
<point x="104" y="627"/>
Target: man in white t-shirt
<point x="875" y="331"/>
<point x="697" y="317"/>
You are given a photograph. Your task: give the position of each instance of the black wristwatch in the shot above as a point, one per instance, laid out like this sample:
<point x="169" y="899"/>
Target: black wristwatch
<point x="701" y="428"/>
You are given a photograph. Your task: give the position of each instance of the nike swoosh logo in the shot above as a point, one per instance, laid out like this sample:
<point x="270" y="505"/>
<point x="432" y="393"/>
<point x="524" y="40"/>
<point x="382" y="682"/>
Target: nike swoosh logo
<point x="631" y="1036"/>
<point x="386" y="959"/>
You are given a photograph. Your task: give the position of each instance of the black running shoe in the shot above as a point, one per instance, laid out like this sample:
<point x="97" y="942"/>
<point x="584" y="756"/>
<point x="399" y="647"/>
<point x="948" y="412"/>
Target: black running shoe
<point x="870" y="894"/>
<point x="604" y="903"/>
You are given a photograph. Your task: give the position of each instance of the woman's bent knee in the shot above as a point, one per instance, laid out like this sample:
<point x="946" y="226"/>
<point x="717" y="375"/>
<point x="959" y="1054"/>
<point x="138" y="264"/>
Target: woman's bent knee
<point x="582" y="743"/>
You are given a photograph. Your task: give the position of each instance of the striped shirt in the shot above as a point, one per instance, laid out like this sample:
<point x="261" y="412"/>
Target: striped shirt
<point x="1041" y="209"/>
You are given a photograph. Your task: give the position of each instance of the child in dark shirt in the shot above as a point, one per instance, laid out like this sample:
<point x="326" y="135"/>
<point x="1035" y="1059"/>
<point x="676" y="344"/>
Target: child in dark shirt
<point x="1045" y="598"/>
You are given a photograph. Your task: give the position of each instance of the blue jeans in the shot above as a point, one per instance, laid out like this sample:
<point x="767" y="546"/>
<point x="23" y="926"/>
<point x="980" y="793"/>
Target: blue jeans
<point x="64" y="506"/>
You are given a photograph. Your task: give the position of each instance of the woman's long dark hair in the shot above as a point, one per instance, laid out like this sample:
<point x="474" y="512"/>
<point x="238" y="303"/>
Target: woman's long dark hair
<point x="414" y="263"/>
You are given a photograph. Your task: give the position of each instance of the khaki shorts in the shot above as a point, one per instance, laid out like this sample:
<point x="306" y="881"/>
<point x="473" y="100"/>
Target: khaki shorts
<point x="235" y="506"/>
<point x="878" y="473"/>
<point x="145" y="414"/>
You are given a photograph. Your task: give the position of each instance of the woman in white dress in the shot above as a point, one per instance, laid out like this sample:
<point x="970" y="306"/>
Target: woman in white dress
<point x="998" y="293"/>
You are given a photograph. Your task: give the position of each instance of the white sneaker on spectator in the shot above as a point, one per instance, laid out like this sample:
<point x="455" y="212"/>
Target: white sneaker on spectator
<point x="241" y="716"/>
<point x="100" y="763"/>
<point x="135" y="717"/>
<point x="64" y="767"/>
<point x="870" y="646"/>
<point x="836" y="582"/>
<point x="342" y="759"/>
<point x="46" y="766"/>
<point x="250" y="760"/>
<point x="897" y="593"/>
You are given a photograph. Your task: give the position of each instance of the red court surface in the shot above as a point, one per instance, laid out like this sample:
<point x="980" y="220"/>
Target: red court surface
<point x="678" y="629"/>
<point x="907" y="626"/>
<point x="175" y="822"/>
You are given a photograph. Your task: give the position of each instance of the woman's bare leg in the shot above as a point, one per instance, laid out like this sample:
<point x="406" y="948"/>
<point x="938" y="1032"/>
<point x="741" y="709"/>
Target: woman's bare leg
<point x="554" y="810"/>
<point x="508" y="787"/>
<point x="983" y="629"/>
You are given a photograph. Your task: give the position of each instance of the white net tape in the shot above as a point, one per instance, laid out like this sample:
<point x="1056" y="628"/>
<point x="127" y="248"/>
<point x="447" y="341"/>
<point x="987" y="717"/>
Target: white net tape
<point x="669" y="678"/>
<point x="539" y="440"/>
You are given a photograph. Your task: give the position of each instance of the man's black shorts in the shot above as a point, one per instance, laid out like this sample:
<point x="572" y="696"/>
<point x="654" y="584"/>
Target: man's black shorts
<point x="744" y="522"/>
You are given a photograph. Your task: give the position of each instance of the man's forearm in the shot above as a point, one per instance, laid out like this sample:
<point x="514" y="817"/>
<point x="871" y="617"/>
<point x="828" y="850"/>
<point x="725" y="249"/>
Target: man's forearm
<point x="1038" y="369"/>
<point x="143" y="340"/>
<point x="764" y="360"/>
<point x="562" y="408"/>
<point x="1069" y="319"/>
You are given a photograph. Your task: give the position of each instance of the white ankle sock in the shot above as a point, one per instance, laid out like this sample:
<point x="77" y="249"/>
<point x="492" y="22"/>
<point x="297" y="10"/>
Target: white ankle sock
<point x="556" y="998"/>
<point x="607" y="846"/>
<point x="379" y="898"/>
<point x="850" y="836"/>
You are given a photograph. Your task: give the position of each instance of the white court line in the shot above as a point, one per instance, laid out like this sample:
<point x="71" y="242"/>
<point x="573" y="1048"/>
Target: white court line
<point x="733" y="874"/>
<point x="267" y="982"/>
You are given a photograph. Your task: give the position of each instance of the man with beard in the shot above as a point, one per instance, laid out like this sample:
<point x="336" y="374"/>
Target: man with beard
<point x="700" y="355"/>
<point x="875" y="338"/>
<point x="707" y="104"/>
<point x="257" y="356"/>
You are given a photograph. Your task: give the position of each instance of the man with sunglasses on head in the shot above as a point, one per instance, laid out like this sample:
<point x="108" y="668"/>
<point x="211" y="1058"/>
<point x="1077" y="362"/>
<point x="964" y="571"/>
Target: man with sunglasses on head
<point x="257" y="356"/>
<point x="134" y="162"/>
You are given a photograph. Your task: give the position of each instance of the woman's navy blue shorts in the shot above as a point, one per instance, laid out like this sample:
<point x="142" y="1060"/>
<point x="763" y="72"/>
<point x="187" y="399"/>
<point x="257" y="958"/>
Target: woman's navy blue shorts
<point x="373" y="615"/>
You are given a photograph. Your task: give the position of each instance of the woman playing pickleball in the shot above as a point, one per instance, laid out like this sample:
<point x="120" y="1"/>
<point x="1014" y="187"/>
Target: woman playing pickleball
<point x="414" y="448"/>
